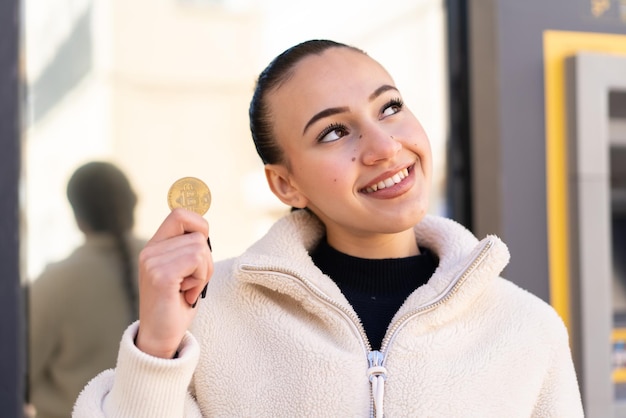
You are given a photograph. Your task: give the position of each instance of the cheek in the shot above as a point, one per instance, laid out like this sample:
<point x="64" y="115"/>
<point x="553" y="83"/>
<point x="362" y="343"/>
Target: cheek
<point x="320" y="176"/>
<point x="334" y="179"/>
<point x="417" y="139"/>
<point x="330" y="175"/>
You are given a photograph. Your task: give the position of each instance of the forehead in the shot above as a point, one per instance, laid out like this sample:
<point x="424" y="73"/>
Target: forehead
<point x="336" y="70"/>
<point x="338" y="77"/>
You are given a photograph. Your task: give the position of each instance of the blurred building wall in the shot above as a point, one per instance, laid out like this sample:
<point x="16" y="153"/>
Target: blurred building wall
<point x="162" y="88"/>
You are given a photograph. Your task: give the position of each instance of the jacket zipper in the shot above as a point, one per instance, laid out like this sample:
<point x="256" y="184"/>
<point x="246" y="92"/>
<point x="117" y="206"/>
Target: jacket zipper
<point x="377" y="373"/>
<point x="454" y="286"/>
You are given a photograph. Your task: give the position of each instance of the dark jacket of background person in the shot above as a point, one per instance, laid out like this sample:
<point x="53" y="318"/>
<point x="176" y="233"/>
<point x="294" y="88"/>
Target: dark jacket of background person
<point x="80" y="306"/>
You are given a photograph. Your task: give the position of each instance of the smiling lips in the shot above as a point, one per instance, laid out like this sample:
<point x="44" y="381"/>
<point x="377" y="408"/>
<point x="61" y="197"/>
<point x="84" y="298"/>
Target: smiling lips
<point x="388" y="182"/>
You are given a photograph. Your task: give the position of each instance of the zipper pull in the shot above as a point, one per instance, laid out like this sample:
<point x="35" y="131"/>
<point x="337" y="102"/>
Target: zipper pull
<point x="377" y="375"/>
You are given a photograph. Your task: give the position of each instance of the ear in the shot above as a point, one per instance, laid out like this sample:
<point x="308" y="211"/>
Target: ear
<point x="279" y="180"/>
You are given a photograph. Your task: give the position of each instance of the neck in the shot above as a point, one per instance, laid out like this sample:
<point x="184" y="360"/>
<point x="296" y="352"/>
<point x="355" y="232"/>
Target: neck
<point x="376" y="246"/>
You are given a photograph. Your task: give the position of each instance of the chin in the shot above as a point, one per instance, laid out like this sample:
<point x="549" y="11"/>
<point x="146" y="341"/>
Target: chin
<point x="400" y="224"/>
<point x="416" y="212"/>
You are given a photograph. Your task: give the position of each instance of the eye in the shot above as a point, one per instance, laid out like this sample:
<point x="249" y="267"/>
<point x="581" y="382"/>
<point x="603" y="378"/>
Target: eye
<point x="392" y="107"/>
<point x="332" y="133"/>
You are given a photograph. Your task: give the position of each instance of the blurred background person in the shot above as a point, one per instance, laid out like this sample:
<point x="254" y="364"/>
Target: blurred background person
<point x="80" y="306"/>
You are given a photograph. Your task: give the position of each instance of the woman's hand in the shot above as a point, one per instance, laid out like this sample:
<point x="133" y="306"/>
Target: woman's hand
<point x="174" y="267"/>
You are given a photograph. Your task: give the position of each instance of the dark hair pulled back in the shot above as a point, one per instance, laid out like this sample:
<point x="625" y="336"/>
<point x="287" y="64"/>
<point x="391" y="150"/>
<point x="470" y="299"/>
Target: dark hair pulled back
<point x="271" y="78"/>
<point x="103" y="200"/>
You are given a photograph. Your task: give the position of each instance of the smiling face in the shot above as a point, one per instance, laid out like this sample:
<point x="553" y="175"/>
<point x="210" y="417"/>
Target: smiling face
<point x="355" y="155"/>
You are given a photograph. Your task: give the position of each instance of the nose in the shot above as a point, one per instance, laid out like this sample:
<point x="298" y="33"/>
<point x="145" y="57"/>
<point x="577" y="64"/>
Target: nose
<point x="378" y="145"/>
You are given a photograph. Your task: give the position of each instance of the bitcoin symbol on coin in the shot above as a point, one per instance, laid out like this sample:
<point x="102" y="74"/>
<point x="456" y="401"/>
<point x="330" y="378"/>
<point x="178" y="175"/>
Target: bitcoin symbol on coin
<point x="189" y="193"/>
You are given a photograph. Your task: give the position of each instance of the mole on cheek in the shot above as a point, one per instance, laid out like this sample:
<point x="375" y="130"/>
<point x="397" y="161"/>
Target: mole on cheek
<point x="353" y="159"/>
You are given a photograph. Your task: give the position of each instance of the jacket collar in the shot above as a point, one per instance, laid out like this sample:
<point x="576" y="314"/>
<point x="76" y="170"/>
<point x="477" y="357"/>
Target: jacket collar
<point x="285" y="248"/>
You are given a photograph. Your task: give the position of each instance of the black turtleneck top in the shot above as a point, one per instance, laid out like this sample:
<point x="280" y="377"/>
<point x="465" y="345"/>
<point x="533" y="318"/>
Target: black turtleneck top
<point x="375" y="288"/>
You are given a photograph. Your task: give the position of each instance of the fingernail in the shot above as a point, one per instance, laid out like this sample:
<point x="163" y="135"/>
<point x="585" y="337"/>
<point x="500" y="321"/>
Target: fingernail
<point x="195" y="303"/>
<point x="203" y="294"/>
<point x="208" y="241"/>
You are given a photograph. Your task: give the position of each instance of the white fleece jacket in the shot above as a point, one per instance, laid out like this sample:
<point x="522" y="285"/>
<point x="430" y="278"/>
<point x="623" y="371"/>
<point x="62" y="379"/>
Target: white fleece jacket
<point x="275" y="337"/>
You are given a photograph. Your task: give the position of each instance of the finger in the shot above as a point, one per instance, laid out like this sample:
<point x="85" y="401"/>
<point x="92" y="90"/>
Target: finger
<point x="193" y="288"/>
<point x="191" y="257"/>
<point x="191" y="297"/>
<point x="191" y="282"/>
<point x="168" y="250"/>
<point x="164" y="267"/>
<point x="179" y="222"/>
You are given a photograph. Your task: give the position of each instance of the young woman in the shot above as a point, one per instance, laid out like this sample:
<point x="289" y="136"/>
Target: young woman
<point x="359" y="305"/>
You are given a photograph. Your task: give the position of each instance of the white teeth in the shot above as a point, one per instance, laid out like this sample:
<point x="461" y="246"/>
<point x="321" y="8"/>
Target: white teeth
<point x="395" y="179"/>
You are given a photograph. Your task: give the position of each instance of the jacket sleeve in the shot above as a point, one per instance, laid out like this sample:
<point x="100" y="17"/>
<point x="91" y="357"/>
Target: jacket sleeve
<point x="142" y="385"/>
<point x="560" y="394"/>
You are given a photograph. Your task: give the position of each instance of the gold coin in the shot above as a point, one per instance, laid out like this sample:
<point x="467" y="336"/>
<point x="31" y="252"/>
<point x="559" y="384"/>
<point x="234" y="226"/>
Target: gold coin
<point x="189" y="193"/>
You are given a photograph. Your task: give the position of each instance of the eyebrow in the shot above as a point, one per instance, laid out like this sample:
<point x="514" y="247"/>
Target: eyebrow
<point x="324" y="114"/>
<point x="381" y="90"/>
<point x="336" y="110"/>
